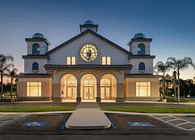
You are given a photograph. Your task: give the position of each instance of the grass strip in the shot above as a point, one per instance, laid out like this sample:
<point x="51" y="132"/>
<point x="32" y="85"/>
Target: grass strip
<point x="149" y="109"/>
<point x="36" y="108"/>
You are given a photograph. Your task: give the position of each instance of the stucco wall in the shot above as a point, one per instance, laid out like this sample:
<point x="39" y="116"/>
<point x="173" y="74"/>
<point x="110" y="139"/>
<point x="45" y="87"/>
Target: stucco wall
<point x="148" y="65"/>
<point x="131" y="87"/>
<point x="28" y="65"/>
<point x="103" y="48"/>
<point x="46" y="86"/>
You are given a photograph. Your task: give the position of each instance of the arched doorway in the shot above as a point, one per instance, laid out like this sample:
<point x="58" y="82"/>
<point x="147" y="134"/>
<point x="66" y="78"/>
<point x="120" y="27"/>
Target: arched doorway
<point x="69" y="87"/>
<point x="88" y="87"/>
<point x="108" y="87"/>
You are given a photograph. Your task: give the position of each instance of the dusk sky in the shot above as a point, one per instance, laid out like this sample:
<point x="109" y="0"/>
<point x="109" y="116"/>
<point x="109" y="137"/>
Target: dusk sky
<point x="171" y="24"/>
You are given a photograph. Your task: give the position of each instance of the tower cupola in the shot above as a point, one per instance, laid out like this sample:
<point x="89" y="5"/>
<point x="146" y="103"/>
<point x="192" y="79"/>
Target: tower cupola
<point x="37" y="44"/>
<point x="139" y="44"/>
<point x="88" y="25"/>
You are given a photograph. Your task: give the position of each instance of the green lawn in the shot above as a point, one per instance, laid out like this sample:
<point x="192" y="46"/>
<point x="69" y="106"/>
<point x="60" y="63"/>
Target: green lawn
<point x="140" y="108"/>
<point x="149" y="109"/>
<point x="35" y="108"/>
<point x="185" y="100"/>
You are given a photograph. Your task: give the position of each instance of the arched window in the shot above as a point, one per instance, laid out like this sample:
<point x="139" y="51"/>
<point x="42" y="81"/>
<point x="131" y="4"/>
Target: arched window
<point x="35" y="49"/>
<point x="108" y="85"/>
<point x="141" y="66"/>
<point x="35" y="66"/>
<point x="141" y="49"/>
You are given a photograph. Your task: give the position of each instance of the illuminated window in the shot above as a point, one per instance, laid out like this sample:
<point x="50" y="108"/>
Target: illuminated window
<point x="34" y="89"/>
<point x="35" y="49"/>
<point x="143" y="89"/>
<point x="71" y="87"/>
<point x="89" y="81"/>
<point x="71" y="60"/>
<point x="103" y="60"/>
<point x="106" y="60"/>
<point x="68" y="59"/>
<point x="141" y="49"/>
<point x="105" y="88"/>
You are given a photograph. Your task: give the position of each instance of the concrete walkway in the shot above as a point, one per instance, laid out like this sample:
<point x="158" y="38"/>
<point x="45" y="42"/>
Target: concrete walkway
<point x="88" y="116"/>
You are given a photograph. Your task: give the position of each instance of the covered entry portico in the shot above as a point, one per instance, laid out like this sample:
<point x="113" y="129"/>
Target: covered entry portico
<point x="88" y="85"/>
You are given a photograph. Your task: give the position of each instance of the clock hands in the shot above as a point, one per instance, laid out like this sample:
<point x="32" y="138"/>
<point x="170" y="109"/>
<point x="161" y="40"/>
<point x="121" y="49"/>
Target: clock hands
<point x="89" y="53"/>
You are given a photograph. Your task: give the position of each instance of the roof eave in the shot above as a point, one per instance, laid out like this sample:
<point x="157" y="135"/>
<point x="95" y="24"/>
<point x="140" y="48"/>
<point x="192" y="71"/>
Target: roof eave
<point x="80" y="67"/>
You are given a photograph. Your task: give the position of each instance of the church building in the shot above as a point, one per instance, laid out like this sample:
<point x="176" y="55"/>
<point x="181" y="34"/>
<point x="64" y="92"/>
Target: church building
<point x="88" y="67"/>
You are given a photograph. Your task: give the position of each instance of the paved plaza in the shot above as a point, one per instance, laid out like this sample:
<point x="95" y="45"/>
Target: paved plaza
<point x="185" y="122"/>
<point x="6" y="119"/>
<point x="124" y="125"/>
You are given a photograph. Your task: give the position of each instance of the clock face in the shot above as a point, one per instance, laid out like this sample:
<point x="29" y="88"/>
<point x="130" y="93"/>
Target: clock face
<point x="88" y="52"/>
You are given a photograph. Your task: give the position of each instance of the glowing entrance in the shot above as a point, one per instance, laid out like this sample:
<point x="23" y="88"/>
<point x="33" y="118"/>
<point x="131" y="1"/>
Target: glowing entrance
<point x="88" y="87"/>
<point x="108" y="87"/>
<point x="69" y="87"/>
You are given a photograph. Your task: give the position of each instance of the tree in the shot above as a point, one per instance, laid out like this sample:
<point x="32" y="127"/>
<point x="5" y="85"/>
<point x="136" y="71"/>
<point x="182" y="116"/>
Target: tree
<point x="168" y="82"/>
<point x="186" y="87"/>
<point x="12" y="74"/>
<point x="177" y="65"/>
<point x="162" y="68"/>
<point x="4" y="66"/>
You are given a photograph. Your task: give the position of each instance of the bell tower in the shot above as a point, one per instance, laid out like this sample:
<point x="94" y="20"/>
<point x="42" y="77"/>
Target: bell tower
<point x="36" y="57"/>
<point x="141" y="59"/>
<point x="139" y="44"/>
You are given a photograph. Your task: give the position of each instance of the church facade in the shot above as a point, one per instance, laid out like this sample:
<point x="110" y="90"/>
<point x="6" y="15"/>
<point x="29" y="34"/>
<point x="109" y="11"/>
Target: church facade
<point x="88" y="67"/>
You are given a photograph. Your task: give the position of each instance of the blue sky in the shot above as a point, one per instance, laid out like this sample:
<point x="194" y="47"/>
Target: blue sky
<point x="171" y="24"/>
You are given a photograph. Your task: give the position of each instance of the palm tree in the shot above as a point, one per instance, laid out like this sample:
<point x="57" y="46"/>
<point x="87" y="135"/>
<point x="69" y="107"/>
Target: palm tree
<point x="4" y="66"/>
<point x="168" y="82"/>
<point x="162" y="68"/>
<point x="177" y="65"/>
<point x="12" y="74"/>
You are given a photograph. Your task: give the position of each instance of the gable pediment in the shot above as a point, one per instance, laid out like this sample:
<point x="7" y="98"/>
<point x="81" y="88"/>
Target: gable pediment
<point x="92" y="34"/>
<point x="73" y="48"/>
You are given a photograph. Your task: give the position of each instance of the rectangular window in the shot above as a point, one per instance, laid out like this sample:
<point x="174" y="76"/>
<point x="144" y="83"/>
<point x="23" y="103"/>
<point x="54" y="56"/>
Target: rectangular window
<point x="68" y="59"/>
<point x="103" y="60"/>
<point x="143" y="89"/>
<point x="71" y="60"/>
<point x="106" y="60"/>
<point x="34" y="89"/>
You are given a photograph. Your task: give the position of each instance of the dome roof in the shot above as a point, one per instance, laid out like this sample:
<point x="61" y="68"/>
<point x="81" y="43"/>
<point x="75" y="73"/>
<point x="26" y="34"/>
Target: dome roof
<point x="88" y="22"/>
<point x="139" y="35"/>
<point x="38" y="35"/>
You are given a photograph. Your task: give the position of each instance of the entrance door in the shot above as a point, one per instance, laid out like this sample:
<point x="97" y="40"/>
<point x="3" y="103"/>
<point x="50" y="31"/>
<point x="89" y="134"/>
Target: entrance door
<point x="88" y="93"/>
<point x="106" y="92"/>
<point x="88" y="87"/>
<point x="71" y="92"/>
